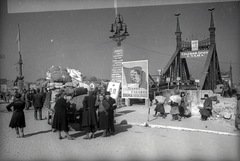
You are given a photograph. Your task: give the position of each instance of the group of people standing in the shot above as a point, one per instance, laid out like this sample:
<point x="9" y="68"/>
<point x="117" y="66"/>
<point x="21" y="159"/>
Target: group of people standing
<point x="178" y="107"/>
<point x="98" y="113"/>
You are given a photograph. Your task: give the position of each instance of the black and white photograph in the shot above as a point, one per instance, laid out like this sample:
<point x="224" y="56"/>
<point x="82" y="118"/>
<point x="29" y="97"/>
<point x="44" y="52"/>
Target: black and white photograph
<point x="119" y="80"/>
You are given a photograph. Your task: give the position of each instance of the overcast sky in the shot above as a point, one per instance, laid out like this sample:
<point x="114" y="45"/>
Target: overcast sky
<point x="79" y="39"/>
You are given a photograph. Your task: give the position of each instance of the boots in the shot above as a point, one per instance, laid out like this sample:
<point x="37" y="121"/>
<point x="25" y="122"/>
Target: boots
<point x="17" y="132"/>
<point x="87" y="136"/>
<point x="104" y="133"/>
<point x="22" y="133"/>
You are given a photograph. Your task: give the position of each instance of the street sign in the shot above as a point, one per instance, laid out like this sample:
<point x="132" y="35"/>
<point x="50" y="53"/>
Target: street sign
<point x="168" y="79"/>
<point x="197" y="80"/>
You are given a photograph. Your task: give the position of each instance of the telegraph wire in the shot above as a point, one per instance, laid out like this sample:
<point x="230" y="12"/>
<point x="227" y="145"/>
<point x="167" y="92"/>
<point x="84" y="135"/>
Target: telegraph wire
<point x="146" y="49"/>
<point x="171" y="55"/>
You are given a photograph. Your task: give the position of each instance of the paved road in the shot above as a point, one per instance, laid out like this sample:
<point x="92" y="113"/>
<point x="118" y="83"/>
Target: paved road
<point x="129" y="143"/>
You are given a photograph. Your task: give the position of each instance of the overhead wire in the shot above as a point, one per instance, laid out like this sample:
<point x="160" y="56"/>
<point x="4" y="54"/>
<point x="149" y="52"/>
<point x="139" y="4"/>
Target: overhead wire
<point x="171" y="55"/>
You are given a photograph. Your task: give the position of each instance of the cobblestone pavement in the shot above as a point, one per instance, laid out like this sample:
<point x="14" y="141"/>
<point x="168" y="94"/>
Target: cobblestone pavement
<point x="130" y="142"/>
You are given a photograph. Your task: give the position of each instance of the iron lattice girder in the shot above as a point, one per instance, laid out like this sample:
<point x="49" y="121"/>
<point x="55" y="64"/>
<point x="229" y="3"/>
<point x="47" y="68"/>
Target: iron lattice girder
<point x="210" y="75"/>
<point x="173" y="69"/>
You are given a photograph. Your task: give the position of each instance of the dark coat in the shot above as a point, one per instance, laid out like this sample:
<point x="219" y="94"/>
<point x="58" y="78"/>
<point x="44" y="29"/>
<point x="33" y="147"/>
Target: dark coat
<point x="160" y="108"/>
<point x="18" y="117"/>
<point x="38" y="100"/>
<point x="111" y="101"/>
<point x="104" y="115"/>
<point x="89" y="111"/>
<point x="207" y="104"/>
<point x="60" y="120"/>
<point x="237" y="114"/>
<point x="183" y="106"/>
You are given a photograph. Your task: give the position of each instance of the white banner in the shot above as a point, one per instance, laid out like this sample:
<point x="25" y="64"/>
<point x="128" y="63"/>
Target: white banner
<point x="194" y="45"/>
<point x="113" y="88"/>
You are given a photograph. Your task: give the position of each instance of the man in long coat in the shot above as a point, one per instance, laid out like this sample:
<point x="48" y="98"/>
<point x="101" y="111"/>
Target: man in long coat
<point x="207" y="108"/>
<point x="112" y="107"/>
<point x="38" y="101"/>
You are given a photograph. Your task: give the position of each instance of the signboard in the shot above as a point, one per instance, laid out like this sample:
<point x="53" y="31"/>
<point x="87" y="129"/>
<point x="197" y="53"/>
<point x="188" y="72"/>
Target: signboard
<point x="168" y="79"/>
<point x="3" y="87"/>
<point x="135" y="79"/>
<point x="197" y="80"/>
<point x="116" y="75"/>
<point x="194" y="54"/>
<point x="194" y="45"/>
<point x="113" y="88"/>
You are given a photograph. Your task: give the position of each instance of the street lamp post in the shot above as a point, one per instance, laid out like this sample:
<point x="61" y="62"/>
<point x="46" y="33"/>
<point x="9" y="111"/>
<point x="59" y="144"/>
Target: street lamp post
<point x="120" y="29"/>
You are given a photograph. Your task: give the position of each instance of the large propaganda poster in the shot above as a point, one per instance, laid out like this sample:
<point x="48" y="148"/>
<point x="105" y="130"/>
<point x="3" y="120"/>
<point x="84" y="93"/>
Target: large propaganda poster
<point x="135" y="79"/>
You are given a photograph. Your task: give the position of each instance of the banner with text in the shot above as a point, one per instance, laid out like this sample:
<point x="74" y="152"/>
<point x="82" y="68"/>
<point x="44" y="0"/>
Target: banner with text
<point x="194" y="54"/>
<point x="135" y="79"/>
<point x="116" y="75"/>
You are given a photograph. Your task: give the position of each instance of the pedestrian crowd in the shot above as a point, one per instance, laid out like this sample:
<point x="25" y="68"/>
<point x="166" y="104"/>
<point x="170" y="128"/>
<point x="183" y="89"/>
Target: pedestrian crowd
<point x="97" y="112"/>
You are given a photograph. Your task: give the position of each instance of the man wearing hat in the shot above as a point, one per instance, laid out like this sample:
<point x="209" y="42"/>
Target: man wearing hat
<point x="237" y="112"/>
<point x="112" y="107"/>
<point x="38" y="101"/>
<point x="207" y="108"/>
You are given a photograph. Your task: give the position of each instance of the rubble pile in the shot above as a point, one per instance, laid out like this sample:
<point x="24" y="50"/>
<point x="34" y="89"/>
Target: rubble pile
<point x="225" y="108"/>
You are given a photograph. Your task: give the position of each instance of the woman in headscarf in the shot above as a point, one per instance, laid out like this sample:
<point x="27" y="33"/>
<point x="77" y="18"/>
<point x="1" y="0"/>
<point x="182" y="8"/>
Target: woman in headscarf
<point x="18" y="117"/>
<point x="60" y="119"/>
<point x="160" y="100"/>
<point x="103" y="108"/>
<point x="183" y="106"/>
<point x="174" y="102"/>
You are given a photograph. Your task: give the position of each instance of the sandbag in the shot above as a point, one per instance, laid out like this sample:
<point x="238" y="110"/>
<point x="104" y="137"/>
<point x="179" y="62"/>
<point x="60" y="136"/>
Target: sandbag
<point x="160" y="99"/>
<point x="175" y="98"/>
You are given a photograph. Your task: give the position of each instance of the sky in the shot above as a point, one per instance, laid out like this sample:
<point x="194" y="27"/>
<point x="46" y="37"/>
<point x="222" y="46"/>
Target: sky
<point x="79" y="39"/>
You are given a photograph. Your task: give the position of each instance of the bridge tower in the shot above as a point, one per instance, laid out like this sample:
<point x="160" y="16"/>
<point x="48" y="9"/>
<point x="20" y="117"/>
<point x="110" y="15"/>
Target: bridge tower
<point x="177" y="68"/>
